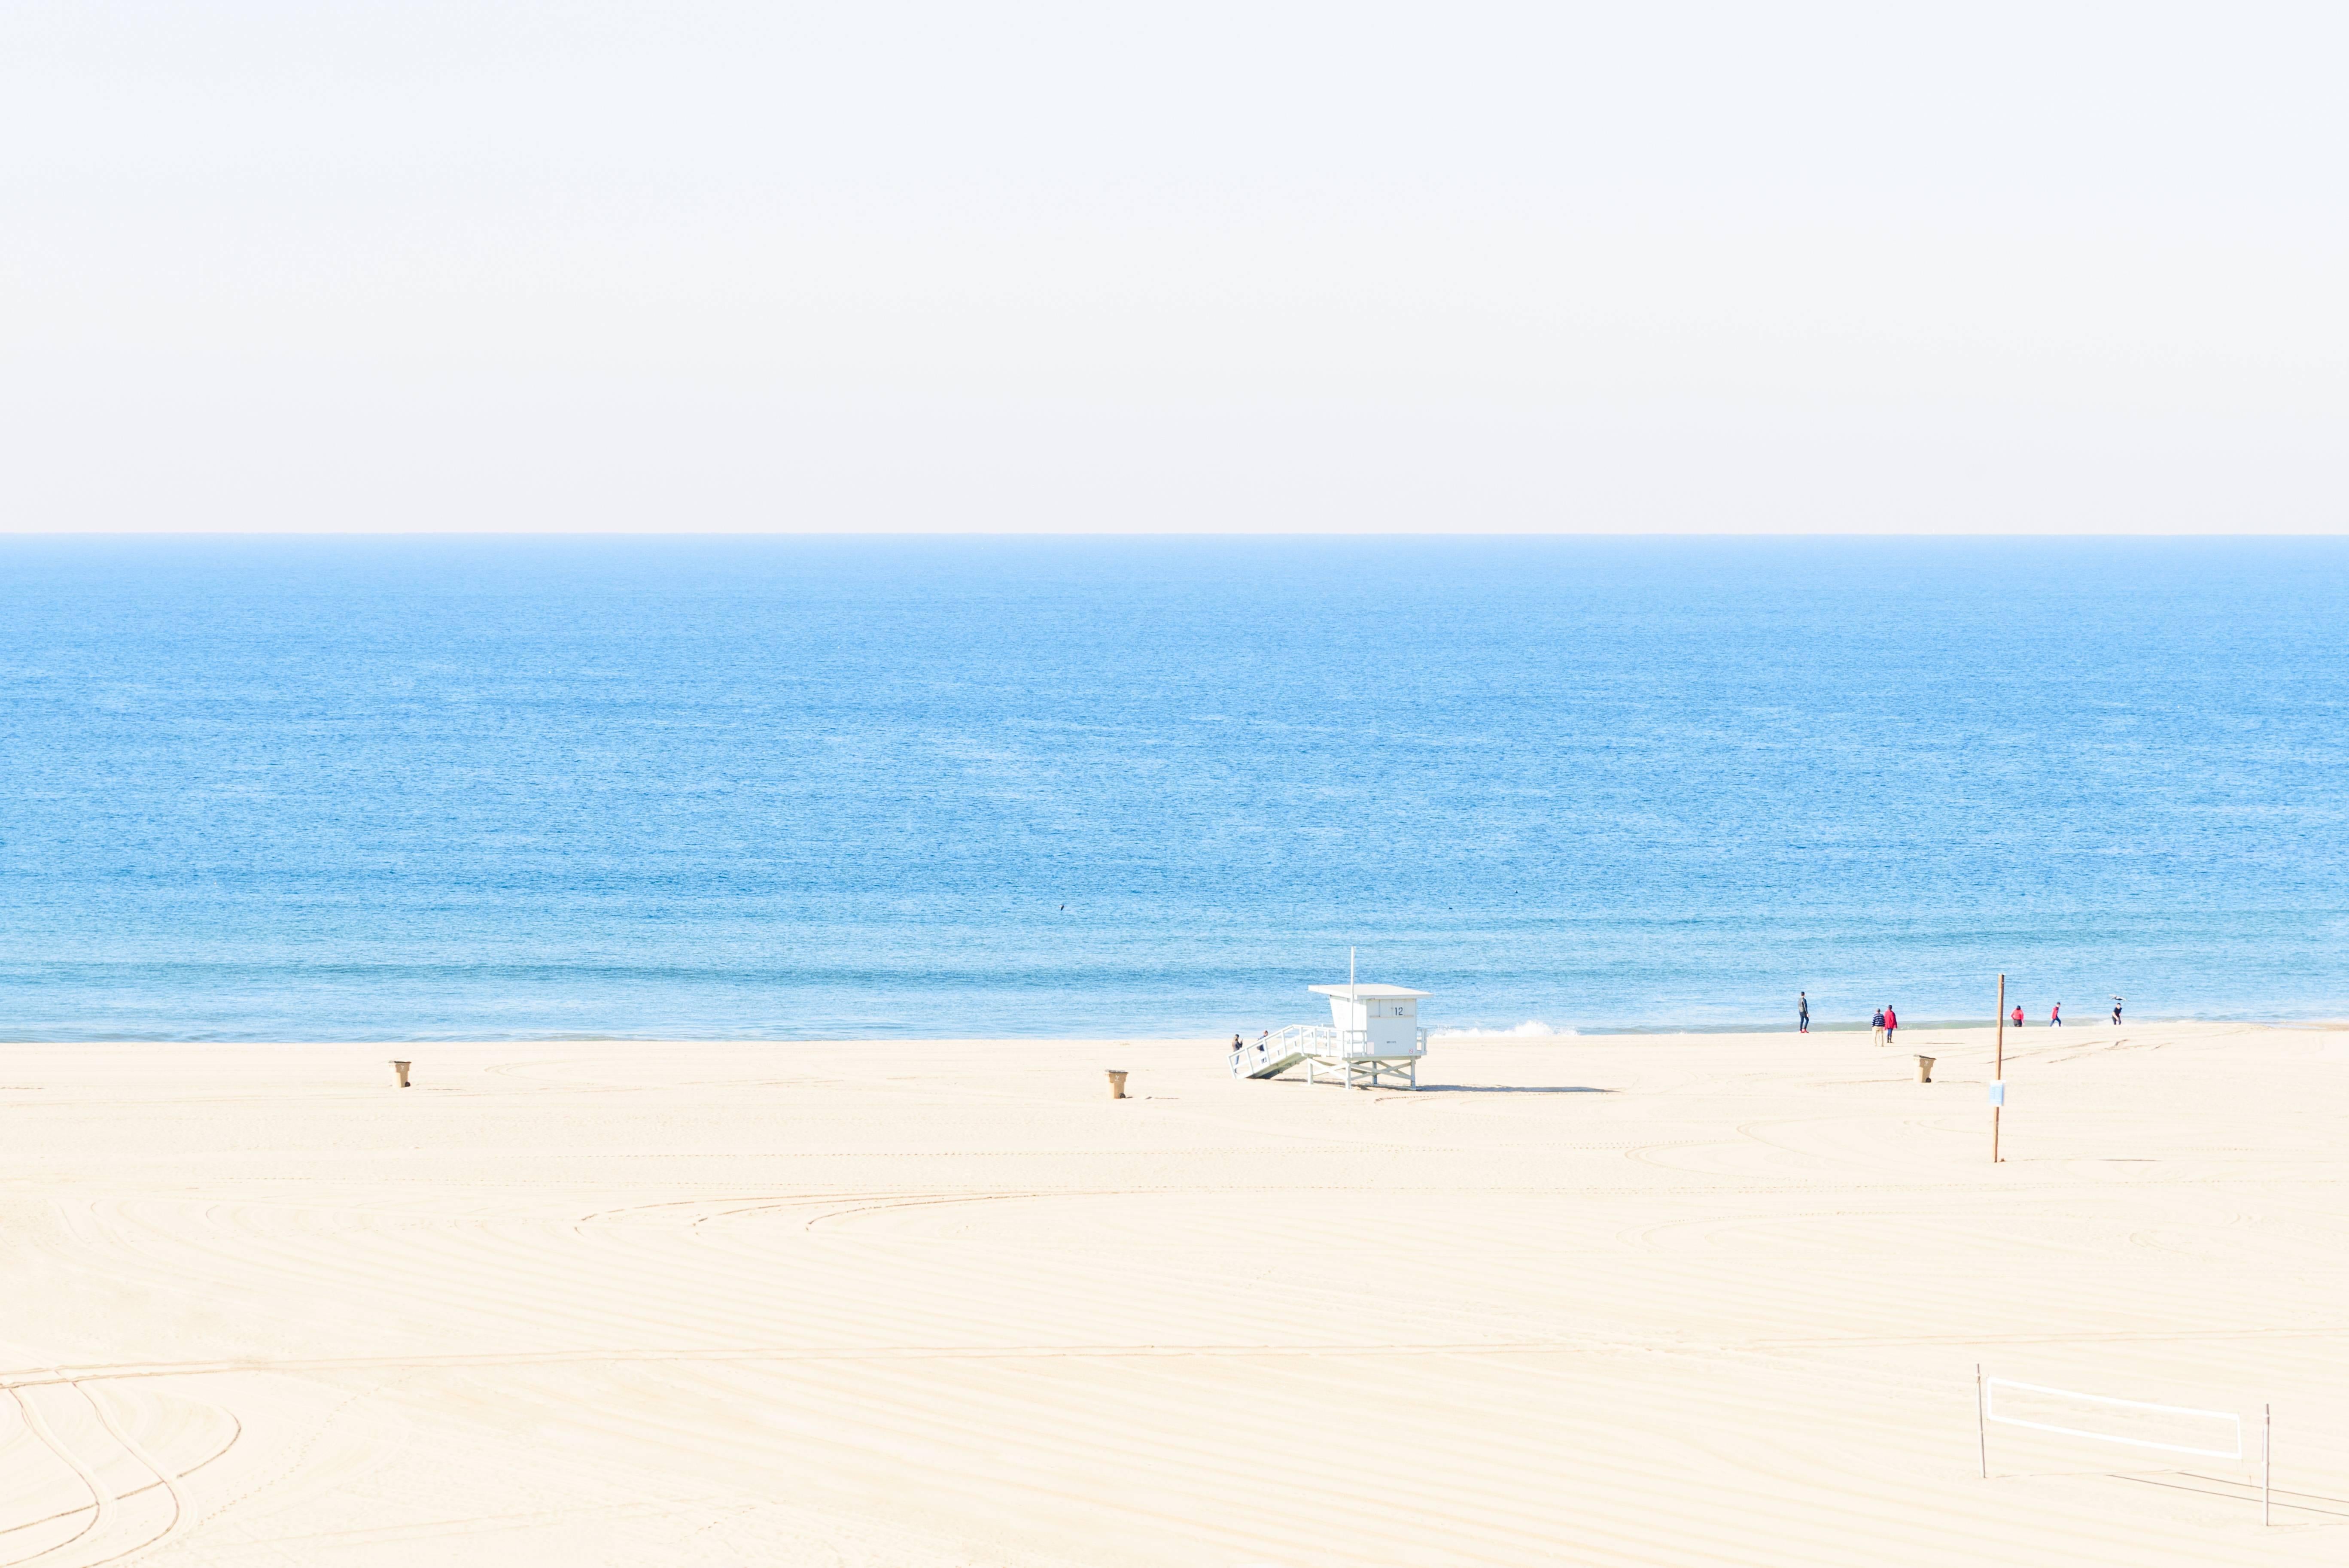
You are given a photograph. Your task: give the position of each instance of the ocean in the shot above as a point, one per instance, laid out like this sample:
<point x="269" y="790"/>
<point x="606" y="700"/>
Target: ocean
<point x="391" y="789"/>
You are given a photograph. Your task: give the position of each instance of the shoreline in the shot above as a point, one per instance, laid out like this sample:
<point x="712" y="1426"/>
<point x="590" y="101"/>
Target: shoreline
<point x="1465" y="1036"/>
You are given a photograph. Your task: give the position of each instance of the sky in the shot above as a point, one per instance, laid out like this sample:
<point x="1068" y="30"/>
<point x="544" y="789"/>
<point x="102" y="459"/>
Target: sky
<point x="2040" y="268"/>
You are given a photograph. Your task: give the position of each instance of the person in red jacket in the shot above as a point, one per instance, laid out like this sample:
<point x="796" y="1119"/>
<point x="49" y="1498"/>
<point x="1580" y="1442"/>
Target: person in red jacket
<point x="2056" y="1017"/>
<point x="1891" y="1022"/>
<point x="2018" y="1015"/>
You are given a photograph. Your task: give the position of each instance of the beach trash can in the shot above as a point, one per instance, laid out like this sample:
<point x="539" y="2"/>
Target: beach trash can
<point x="1116" y="1084"/>
<point x="1924" y="1069"/>
<point x="402" y="1068"/>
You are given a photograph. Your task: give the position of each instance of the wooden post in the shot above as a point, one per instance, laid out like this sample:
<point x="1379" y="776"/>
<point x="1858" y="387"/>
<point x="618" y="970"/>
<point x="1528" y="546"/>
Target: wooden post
<point x="1999" y="1072"/>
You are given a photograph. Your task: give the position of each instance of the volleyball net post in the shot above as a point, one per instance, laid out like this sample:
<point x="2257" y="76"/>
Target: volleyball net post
<point x="1982" y="1426"/>
<point x="1998" y="1077"/>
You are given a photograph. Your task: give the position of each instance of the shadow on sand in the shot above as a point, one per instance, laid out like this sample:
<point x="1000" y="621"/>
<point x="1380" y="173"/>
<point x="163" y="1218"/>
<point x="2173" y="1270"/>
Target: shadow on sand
<point x="2236" y="1490"/>
<point x="1510" y="1089"/>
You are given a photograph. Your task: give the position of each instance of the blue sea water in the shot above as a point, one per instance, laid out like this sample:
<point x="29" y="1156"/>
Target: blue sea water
<point x="393" y="788"/>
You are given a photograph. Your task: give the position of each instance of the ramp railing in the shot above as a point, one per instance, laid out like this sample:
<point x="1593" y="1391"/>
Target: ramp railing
<point x="1283" y="1048"/>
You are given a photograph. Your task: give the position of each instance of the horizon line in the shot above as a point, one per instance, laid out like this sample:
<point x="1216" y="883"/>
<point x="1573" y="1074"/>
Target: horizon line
<point x="648" y="534"/>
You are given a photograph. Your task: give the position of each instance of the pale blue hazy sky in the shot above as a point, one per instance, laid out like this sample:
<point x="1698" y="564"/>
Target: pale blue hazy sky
<point x="1261" y="267"/>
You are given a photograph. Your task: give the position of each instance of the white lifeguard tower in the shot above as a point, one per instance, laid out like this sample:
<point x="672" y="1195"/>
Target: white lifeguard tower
<point x="1373" y="1034"/>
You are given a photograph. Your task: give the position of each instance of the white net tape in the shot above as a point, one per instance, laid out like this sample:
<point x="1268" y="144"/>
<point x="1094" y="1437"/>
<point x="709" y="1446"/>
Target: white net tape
<point x="2146" y="1426"/>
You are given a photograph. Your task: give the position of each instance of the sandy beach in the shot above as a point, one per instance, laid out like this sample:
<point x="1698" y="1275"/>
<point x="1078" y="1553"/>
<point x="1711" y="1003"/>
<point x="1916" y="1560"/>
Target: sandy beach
<point x="1708" y="1299"/>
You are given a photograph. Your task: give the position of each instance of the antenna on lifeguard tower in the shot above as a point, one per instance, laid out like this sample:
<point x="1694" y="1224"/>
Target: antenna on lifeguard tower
<point x="1349" y="974"/>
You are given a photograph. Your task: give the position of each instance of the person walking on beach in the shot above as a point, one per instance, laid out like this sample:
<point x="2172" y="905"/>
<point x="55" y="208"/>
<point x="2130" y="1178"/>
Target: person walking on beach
<point x="1891" y="1022"/>
<point x="2018" y="1015"/>
<point x="2056" y="1017"/>
<point x="2116" y="1011"/>
<point x="1803" y="1013"/>
<point x="1877" y="1024"/>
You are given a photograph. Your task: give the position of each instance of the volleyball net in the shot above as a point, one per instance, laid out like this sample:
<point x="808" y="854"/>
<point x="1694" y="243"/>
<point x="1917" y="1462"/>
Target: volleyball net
<point x="2138" y="1424"/>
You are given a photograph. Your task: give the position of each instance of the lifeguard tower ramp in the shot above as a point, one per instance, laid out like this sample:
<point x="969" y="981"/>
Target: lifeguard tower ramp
<point x="1373" y="1037"/>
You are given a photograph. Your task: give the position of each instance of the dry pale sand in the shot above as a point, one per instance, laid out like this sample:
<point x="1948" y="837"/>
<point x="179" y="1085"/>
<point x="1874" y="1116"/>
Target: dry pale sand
<point x="1701" y="1300"/>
